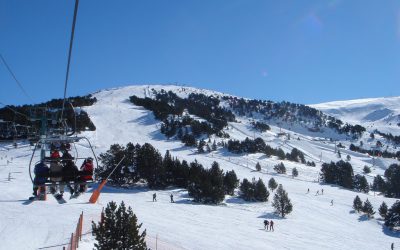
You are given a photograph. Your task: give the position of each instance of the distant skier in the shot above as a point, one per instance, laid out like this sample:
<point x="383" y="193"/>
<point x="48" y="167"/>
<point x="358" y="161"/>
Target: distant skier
<point x="317" y="192"/>
<point x="392" y="246"/>
<point x="322" y="191"/>
<point x="154" y="197"/>
<point x="172" y="198"/>
<point x="266" y="223"/>
<point x="271" y="225"/>
<point x="308" y="190"/>
<point x="331" y="202"/>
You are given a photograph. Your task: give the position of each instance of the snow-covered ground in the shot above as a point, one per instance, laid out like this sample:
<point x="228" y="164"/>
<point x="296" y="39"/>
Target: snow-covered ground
<point x="373" y="113"/>
<point x="234" y="224"/>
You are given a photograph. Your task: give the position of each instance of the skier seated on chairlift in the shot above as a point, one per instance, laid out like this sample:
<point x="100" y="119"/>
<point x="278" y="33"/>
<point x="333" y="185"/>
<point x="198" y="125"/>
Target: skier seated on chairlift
<point x="56" y="171"/>
<point x="86" y="173"/>
<point x="66" y="157"/>
<point x="70" y="173"/>
<point x="40" y="171"/>
<point x="65" y="146"/>
<point x="54" y="152"/>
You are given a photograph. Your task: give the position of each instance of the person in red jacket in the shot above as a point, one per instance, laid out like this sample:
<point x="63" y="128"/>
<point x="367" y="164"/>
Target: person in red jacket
<point x="86" y="173"/>
<point x="271" y="225"/>
<point x="55" y="154"/>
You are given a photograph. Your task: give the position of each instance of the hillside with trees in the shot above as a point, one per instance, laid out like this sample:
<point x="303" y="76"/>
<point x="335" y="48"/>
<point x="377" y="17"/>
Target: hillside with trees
<point x="21" y="122"/>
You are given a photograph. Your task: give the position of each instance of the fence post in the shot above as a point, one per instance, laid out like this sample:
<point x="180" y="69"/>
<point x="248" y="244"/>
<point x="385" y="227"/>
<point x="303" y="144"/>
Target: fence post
<point x="72" y="241"/>
<point x="77" y="236"/>
<point x="81" y="226"/>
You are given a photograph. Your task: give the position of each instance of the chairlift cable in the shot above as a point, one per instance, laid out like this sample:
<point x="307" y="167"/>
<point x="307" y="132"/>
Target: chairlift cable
<point x="69" y="55"/>
<point x="15" y="78"/>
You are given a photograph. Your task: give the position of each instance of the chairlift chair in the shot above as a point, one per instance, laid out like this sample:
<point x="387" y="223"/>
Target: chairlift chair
<point x="44" y="145"/>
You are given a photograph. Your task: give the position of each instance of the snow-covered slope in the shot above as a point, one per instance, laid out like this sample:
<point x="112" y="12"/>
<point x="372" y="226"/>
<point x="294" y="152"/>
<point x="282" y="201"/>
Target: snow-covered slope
<point x="234" y="224"/>
<point x="373" y="113"/>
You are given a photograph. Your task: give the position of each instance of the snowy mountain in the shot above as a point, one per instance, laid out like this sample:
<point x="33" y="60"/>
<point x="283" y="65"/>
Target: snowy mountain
<point x="374" y="113"/>
<point x="234" y="224"/>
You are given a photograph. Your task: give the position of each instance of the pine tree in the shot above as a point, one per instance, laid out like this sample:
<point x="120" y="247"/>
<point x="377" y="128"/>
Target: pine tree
<point x="280" y="168"/>
<point x="230" y="182"/>
<point x="200" y="147"/>
<point x="258" y="166"/>
<point x="168" y="165"/>
<point x="181" y="173"/>
<point x="196" y="176"/>
<point x="368" y="209"/>
<point x="345" y="174"/>
<point x="379" y="184"/>
<point x="329" y="172"/>
<point x="280" y="154"/>
<point x="383" y="210"/>
<point x="131" y="176"/>
<point x="281" y="202"/>
<point x="360" y="183"/>
<point x="393" y="216"/>
<point x="366" y="169"/>
<point x="150" y="167"/>
<point x="215" y="193"/>
<point x="357" y="204"/>
<point x="109" y="160"/>
<point x="261" y="193"/>
<point x="246" y="190"/>
<point x="392" y="175"/>
<point x="189" y="140"/>
<point x="295" y="173"/>
<point x="272" y="184"/>
<point x="119" y="230"/>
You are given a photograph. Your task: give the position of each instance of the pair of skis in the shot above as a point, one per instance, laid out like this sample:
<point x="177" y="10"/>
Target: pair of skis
<point x="60" y="199"/>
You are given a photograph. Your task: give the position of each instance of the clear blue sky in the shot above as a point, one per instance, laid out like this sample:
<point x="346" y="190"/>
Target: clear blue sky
<point x="299" y="51"/>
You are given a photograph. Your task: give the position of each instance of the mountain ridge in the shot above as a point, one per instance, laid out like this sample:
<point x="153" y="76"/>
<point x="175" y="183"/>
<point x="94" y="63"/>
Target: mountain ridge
<point x="375" y="113"/>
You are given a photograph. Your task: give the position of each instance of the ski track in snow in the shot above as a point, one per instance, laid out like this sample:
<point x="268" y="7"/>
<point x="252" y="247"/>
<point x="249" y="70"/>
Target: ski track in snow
<point x="234" y="224"/>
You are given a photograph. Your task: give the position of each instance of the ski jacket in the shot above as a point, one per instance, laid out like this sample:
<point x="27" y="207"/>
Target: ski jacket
<point x="87" y="171"/>
<point x="66" y="158"/>
<point x="70" y="171"/>
<point x="57" y="169"/>
<point x="55" y="154"/>
<point x="40" y="171"/>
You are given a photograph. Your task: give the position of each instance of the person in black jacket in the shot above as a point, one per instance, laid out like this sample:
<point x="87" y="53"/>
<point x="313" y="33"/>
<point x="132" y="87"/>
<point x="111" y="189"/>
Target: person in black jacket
<point x="66" y="157"/>
<point x="266" y="223"/>
<point x="70" y="172"/>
